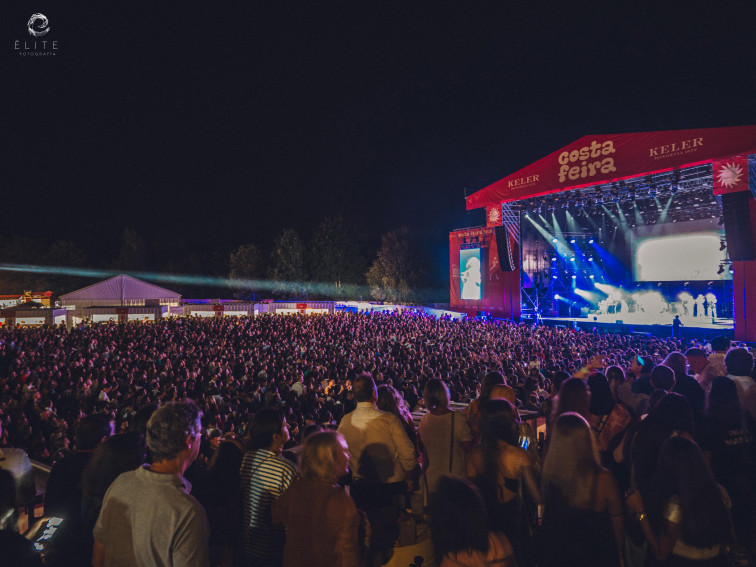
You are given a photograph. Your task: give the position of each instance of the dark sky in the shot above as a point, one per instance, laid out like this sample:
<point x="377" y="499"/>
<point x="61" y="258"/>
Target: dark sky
<point x="222" y="123"/>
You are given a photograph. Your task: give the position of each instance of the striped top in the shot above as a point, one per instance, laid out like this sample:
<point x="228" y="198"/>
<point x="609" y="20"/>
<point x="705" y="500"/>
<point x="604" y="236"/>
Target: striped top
<point x="264" y="476"/>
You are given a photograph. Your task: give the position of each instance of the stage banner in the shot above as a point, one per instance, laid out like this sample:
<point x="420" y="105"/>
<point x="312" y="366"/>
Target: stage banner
<point x="493" y="215"/>
<point x="730" y="175"/>
<point x="599" y="159"/>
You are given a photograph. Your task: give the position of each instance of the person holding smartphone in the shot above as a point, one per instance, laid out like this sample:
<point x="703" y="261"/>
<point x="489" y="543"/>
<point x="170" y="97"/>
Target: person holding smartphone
<point x="15" y="549"/>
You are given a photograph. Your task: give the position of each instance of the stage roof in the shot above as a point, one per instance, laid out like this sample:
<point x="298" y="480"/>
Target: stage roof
<point x="598" y="159"/>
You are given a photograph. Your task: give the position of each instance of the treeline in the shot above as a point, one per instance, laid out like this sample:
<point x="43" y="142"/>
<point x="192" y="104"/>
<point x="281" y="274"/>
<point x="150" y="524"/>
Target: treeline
<point x="336" y="261"/>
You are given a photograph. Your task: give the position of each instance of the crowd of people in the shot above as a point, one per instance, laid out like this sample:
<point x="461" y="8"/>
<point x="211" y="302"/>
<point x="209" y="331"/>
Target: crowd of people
<point x="294" y="437"/>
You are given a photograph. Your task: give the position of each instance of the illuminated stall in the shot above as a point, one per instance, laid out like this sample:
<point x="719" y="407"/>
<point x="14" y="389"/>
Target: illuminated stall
<point x="31" y="314"/>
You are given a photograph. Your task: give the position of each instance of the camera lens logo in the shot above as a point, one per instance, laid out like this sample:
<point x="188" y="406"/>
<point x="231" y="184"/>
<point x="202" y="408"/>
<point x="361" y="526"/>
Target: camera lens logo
<point x="37" y="25"/>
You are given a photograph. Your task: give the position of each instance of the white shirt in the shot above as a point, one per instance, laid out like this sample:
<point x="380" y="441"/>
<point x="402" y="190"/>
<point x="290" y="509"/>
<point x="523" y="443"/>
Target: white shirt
<point x="380" y="448"/>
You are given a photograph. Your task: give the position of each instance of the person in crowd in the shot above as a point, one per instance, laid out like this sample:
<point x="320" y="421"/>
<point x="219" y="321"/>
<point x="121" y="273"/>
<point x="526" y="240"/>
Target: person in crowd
<point x="63" y="496"/>
<point x="671" y="416"/>
<point x="608" y="419"/>
<point x="574" y="396"/>
<point x="460" y="528"/>
<point x="444" y="435"/>
<point x="118" y="454"/>
<point x="582" y="517"/>
<point x="549" y="404"/>
<point x="148" y="516"/>
<point x="616" y="377"/>
<point x="382" y="460"/>
<point x="219" y="492"/>
<point x="641" y="367"/>
<point x="265" y="475"/>
<point x="493" y="386"/>
<point x="614" y="457"/>
<point x="685" y="517"/>
<point x="705" y="367"/>
<point x="390" y="400"/>
<point x="660" y="381"/>
<point x="505" y="473"/>
<point x="16" y="461"/>
<point x="720" y="345"/>
<point x="730" y="452"/>
<point x="321" y="520"/>
<point x="739" y="363"/>
<point x="15" y="549"/>
<point x="685" y="385"/>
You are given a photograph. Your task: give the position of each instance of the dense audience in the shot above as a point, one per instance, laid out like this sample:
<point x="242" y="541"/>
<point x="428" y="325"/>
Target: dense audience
<point x="611" y="403"/>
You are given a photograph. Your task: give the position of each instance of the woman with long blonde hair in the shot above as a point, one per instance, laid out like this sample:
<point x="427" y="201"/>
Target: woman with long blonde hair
<point x="322" y="522"/>
<point x="582" y="506"/>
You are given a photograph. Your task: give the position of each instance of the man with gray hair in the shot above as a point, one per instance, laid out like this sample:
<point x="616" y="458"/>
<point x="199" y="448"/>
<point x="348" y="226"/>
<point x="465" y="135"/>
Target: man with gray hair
<point x="148" y="516"/>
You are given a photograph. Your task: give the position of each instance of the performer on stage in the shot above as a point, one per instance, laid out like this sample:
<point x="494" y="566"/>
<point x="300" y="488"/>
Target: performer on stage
<point x="699" y="306"/>
<point x="685" y="299"/>
<point x="603" y="307"/>
<point x="712" y="299"/>
<point x="676" y="324"/>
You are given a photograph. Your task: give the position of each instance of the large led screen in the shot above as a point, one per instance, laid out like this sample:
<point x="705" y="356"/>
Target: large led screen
<point x="683" y="251"/>
<point x="471" y="273"/>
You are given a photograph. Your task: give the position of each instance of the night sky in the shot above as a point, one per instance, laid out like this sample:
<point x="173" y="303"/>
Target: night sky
<point x="218" y="124"/>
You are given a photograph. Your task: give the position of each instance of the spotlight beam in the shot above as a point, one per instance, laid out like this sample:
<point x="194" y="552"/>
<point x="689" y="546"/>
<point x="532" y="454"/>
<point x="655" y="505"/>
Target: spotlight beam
<point x="199" y="280"/>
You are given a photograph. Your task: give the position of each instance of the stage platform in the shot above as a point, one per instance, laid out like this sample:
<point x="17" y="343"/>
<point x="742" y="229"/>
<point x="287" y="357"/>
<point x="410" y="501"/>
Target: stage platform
<point x="640" y="323"/>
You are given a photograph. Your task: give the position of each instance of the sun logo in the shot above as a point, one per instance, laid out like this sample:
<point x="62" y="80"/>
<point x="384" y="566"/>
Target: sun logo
<point x="729" y="175"/>
<point x="494" y="215"/>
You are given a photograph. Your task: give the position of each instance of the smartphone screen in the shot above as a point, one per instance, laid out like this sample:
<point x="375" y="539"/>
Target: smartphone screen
<point x="48" y="532"/>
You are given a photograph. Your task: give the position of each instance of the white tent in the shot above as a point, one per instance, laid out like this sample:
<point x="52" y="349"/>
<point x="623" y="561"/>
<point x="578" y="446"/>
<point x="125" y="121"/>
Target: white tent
<point x="120" y="290"/>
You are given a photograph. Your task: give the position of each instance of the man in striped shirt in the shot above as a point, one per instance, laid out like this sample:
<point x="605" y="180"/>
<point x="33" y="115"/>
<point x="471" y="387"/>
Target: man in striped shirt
<point x="265" y="476"/>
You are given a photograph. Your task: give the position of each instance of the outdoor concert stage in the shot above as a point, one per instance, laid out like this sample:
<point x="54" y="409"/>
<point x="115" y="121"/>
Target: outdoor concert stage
<point x="622" y="232"/>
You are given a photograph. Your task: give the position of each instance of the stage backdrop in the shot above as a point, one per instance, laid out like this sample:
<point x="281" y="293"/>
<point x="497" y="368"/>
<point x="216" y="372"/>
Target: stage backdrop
<point x="597" y="159"/>
<point x="500" y="288"/>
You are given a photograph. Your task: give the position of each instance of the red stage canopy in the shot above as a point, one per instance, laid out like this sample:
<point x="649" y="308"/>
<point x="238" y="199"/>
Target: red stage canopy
<point x="598" y="159"/>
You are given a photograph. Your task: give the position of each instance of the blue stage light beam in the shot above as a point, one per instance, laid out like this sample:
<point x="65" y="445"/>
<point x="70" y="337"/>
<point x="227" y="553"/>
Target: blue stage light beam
<point x="665" y="210"/>
<point x="622" y="217"/>
<point x="558" y="232"/>
<point x="608" y="265"/>
<point x="572" y="225"/>
<point x="589" y="296"/>
<point x="637" y="213"/>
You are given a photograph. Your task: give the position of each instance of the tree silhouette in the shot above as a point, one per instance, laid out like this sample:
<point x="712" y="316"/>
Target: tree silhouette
<point x="287" y="265"/>
<point x="246" y="264"/>
<point x="335" y="258"/>
<point x="398" y="273"/>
